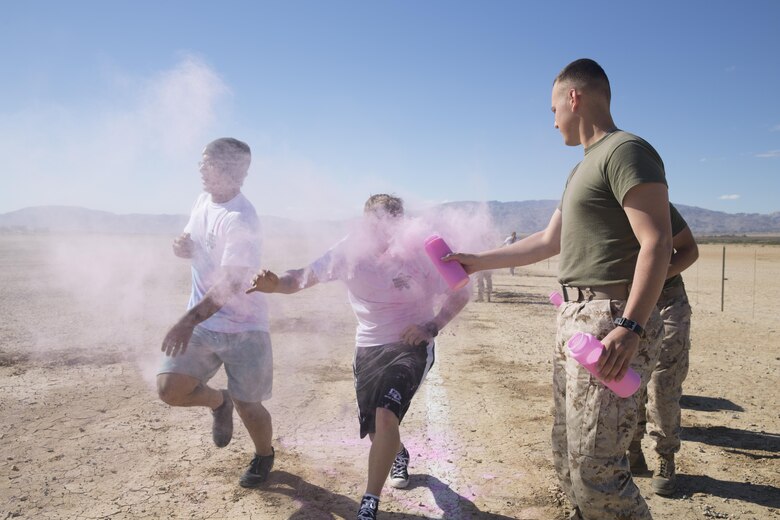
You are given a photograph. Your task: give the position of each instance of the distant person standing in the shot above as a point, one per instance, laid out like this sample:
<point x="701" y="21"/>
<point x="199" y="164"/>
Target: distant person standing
<point x="613" y="231"/>
<point x="508" y="241"/>
<point x="663" y="414"/>
<point x="484" y="285"/>
<point x="222" y="324"/>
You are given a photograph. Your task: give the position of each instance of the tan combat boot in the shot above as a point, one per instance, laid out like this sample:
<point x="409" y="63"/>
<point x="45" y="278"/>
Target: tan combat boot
<point x="664" y="478"/>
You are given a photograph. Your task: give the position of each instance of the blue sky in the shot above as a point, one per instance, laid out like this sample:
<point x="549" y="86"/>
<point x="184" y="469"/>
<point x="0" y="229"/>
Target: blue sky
<point x="107" y="105"/>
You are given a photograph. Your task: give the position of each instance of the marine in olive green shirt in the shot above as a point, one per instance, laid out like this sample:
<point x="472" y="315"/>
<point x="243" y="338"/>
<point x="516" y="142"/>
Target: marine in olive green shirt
<point x="598" y="246"/>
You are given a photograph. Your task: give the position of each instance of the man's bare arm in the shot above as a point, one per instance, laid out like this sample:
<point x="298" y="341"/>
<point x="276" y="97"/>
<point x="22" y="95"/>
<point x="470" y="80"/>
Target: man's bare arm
<point x="686" y="252"/>
<point x="451" y="307"/>
<point x="422" y="333"/>
<point x="647" y="209"/>
<point x="532" y="249"/>
<point x="228" y="285"/>
<point x="289" y="282"/>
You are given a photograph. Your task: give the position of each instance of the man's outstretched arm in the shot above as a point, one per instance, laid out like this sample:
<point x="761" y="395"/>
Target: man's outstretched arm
<point x="532" y="249"/>
<point x="288" y="283"/>
<point x="228" y="285"/>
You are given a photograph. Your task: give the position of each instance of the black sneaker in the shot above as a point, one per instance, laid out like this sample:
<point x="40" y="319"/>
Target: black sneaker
<point x="222" y="427"/>
<point x="368" y="508"/>
<point x="258" y="470"/>
<point x="399" y="473"/>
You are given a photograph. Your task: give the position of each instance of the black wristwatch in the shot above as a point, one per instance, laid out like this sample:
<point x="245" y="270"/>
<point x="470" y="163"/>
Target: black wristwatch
<point x="431" y="329"/>
<point x="630" y="325"/>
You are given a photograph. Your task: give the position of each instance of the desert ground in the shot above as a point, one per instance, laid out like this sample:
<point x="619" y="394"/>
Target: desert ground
<point x="83" y="435"/>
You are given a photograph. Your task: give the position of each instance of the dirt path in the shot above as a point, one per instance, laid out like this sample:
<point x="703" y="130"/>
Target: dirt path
<point x="83" y="436"/>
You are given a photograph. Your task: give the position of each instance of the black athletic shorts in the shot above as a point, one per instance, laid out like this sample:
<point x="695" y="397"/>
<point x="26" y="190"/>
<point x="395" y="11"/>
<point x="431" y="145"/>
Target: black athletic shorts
<point x="387" y="376"/>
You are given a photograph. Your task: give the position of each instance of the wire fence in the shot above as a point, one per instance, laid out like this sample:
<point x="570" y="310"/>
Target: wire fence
<point x="740" y="280"/>
<point x="735" y="280"/>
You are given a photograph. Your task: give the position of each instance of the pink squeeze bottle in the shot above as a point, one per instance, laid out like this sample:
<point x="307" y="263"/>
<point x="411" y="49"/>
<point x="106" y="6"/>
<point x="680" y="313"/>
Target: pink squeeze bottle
<point x="586" y="349"/>
<point x="452" y="272"/>
<point x="556" y="298"/>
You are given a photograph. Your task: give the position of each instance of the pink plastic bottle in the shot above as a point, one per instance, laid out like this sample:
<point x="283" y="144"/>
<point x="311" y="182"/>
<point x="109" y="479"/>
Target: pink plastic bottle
<point x="586" y="349"/>
<point x="556" y="298"/>
<point x="452" y="272"/>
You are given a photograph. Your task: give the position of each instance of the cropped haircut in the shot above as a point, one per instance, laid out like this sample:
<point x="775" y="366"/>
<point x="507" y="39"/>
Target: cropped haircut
<point x="587" y="75"/>
<point x="231" y="155"/>
<point x="383" y="204"/>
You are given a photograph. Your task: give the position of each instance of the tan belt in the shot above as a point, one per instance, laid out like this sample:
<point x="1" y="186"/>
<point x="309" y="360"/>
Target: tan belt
<point x="604" y="292"/>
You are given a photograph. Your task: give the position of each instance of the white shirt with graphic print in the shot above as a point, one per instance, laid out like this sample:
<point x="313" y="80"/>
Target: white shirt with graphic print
<point x="387" y="292"/>
<point x="226" y="235"/>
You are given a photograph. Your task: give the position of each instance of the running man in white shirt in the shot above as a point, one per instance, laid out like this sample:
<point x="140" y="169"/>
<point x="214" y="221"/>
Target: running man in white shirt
<point x="392" y="292"/>
<point x="223" y="326"/>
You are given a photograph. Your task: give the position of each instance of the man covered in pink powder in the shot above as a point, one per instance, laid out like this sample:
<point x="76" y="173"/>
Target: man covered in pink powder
<point x="393" y="291"/>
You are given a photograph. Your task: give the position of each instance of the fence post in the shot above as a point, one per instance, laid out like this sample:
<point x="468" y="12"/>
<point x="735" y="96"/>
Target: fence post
<point x="723" y="279"/>
<point x="755" y="261"/>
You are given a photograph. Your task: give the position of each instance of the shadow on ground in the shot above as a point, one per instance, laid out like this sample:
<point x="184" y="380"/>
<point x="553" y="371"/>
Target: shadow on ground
<point x="708" y="404"/>
<point x="733" y="438"/>
<point x="518" y="297"/>
<point x="759" y="494"/>
<point x="317" y="502"/>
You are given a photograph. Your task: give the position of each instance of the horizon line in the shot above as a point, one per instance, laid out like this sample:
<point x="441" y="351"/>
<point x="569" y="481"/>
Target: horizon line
<point x="66" y="206"/>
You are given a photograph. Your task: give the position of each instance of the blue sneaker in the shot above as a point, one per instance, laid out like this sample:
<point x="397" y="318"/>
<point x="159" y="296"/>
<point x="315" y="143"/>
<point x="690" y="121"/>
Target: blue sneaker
<point x="369" y="506"/>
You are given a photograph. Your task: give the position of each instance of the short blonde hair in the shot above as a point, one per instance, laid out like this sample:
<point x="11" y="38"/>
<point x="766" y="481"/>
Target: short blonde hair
<point x="383" y="203"/>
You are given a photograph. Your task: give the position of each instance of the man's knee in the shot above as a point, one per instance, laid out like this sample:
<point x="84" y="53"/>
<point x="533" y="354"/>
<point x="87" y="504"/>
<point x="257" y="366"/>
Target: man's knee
<point x="385" y="419"/>
<point x="173" y="388"/>
<point x="245" y="408"/>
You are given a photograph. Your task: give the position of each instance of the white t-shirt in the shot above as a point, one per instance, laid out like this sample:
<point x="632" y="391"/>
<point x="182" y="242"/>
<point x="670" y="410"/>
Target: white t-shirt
<point x="510" y="240"/>
<point x="387" y="292"/>
<point x="226" y="235"/>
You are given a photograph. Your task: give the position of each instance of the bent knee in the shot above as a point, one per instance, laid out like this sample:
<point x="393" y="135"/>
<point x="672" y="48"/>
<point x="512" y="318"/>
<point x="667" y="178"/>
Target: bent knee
<point x="246" y="408"/>
<point x="385" y="418"/>
<point x="172" y="389"/>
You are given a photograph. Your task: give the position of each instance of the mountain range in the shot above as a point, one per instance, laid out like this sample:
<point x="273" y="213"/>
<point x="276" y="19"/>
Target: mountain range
<point x="522" y="216"/>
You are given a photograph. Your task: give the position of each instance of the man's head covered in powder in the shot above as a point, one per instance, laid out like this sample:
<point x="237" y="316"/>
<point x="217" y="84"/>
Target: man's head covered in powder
<point x="383" y="205"/>
<point x="230" y="157"/>
<point x="383" y="213"/>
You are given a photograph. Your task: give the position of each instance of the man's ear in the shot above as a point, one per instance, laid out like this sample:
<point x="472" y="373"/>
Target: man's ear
<point x="574" y="98"/>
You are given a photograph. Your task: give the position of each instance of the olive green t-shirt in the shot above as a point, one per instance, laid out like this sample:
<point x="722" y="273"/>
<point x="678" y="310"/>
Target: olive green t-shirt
<point x="598" y="246"/>
<point x="678" y="225"/>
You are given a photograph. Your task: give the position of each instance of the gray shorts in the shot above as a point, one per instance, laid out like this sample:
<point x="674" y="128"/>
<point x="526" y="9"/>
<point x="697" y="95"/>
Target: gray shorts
<point x="247" y="357"/>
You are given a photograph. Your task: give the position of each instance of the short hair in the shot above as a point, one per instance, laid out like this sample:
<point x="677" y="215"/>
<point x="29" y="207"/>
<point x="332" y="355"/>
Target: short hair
<point x="231" y="155"/>
<point x="585" y="74"/>
<point x="384" y="204"/>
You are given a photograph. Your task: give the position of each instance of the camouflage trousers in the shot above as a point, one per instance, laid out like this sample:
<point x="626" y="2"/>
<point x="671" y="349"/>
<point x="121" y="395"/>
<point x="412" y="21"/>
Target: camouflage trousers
<point x="484" y="281"/>
<point x="662" y="416"/>
<point x="593" y="426"/>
